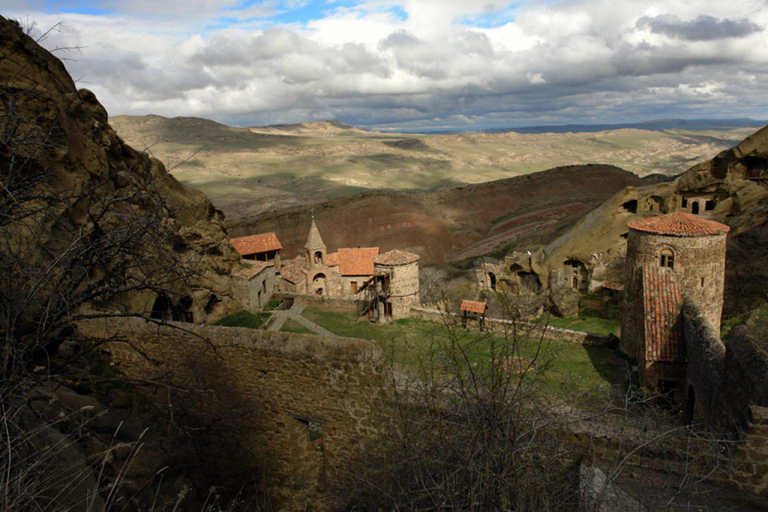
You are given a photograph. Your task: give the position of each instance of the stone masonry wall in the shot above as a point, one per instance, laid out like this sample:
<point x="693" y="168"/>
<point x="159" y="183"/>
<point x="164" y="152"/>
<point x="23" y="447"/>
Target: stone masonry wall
<point x="531" y="329"/>
<point x="294" y="402"/>
<point x="706" y="364"/>
<point x="404" y="289"/>
<point x="254" y="294"/>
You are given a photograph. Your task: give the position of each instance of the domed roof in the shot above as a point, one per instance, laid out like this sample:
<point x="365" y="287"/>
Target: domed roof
<point x="679" y="224"/>
<point x="395" y="257"/>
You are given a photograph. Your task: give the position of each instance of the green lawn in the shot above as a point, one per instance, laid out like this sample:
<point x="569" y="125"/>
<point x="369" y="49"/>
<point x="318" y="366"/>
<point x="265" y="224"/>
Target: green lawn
<point x="566" y="366"/>
<point x="243" y="319"/>
<point x="292" y="326"/>
<point x="584" y="323"/>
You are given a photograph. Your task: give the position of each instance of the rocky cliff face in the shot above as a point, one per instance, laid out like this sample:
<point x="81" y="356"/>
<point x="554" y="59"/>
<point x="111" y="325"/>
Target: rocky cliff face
<point x="731" y="188"/>
<point x="107" y="225"/>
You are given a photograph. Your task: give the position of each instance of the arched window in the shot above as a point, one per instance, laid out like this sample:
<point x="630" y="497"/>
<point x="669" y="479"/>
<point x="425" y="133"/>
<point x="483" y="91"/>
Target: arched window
<point x="667" y="259"/>
<point x="318" y="258"/>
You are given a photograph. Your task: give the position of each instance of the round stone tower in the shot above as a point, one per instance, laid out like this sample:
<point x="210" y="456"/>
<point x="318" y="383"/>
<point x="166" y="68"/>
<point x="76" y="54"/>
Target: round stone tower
<point x="402" y="292"/>
<point x="671" y="259"/>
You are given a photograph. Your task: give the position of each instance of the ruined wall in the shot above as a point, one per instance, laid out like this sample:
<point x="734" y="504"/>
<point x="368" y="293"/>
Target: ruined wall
<point x="745" y="377"/>
<point x="293" y="402"/>
<point x="528" y="328"/>
<point x="706" y="364"/>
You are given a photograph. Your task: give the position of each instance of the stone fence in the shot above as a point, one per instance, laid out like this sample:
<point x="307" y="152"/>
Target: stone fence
<point x="345" y="303"/>
<point x="531" y="329"/>
<point x="294" y="403"/>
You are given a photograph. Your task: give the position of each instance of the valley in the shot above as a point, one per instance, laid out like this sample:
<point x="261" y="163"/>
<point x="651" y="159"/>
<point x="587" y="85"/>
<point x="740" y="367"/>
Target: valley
<point x="248" y="171"/>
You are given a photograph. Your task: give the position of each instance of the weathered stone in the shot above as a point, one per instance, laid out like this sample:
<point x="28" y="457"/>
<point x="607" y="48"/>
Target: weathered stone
<point x="565" y="302"/>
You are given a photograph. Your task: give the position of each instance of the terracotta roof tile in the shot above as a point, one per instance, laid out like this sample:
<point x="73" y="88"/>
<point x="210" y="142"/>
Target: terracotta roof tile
<point x="614" y="286"/>
<point x="293" y="270"/>
<point x="396" y="257"/>
<point x="255" y="244"/>
<point x="332" y="260"/>
<point x="357" y="261"/>
<point x="473" y="306"/>
<point x="679" y="224"/>
<point x="662" y="302"/>
<point x="252" y="268"/>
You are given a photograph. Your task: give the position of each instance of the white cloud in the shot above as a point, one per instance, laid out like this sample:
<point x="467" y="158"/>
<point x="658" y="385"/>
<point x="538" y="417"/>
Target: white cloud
<point x="415" y="62"/>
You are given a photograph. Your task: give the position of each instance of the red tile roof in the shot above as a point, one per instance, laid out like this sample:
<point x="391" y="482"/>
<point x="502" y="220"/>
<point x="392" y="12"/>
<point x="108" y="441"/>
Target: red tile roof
<point x="662" y="302"/>
<point x="332" y="260"/>
<point x="473" y="306"/>
<point x="293" y="270"/>
<point x="679" y="224"/>
<point x="252" y="268"/>
<point x="255" y="244"/>
<point x="396" y="257"/>
<point x="614" y="286"/>
<point x="357" y="261"/>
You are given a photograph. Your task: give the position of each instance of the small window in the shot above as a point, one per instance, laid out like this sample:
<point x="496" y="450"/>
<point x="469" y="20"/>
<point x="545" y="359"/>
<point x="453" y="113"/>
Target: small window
<point x="354" y="286"/>
<point x="709" y="205"/>
<point x="667" y="259"/>
<point x="685" y="203"/>
<point x="702" y="282"/>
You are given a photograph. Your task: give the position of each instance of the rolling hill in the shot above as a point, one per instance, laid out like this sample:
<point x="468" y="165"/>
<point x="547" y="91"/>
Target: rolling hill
<point x="450" y="224"/>
<point x="248" y="171"/>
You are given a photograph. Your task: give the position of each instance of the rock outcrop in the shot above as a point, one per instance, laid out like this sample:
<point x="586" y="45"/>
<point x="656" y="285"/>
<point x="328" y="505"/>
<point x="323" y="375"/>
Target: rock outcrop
<point x="730" y="188"/>
<point x="76" y="196"/>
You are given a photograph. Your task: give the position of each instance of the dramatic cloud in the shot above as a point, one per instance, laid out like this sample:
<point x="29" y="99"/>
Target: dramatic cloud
<point x="703" y="28"/>
<point x="417" y="64"/>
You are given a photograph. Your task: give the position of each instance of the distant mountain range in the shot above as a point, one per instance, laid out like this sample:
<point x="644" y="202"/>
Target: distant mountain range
<point x="658" y="125"/>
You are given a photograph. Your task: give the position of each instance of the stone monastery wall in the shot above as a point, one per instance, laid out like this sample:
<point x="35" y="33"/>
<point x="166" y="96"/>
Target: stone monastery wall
<point x="295" y="402"/>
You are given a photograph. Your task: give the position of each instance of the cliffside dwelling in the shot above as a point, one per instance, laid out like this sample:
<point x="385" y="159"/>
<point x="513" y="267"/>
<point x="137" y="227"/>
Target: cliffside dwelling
<point x="672" y="260"/>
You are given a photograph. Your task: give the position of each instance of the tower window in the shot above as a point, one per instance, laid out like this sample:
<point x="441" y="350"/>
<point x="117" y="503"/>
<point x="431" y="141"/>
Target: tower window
<point x="667" y="259"/>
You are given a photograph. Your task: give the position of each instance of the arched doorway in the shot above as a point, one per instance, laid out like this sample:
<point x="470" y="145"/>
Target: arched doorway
<point x="319" y="285"/>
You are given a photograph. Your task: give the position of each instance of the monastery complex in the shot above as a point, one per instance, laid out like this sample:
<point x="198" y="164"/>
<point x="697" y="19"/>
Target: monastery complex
<point x="386" y="284"/>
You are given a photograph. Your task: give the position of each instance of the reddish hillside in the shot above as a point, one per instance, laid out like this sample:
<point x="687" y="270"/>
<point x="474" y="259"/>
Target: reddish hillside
<point x="454" y="223"/>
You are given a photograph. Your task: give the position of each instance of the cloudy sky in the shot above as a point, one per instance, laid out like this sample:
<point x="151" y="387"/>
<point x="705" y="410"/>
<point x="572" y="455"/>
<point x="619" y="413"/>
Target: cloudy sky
<point x="414" y="64"/>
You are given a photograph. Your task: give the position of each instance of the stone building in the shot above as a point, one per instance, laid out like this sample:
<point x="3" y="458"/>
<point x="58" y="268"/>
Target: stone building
<point x="386" y="284"/>
<point x="394" y="287"/>
<point x="258" y="277"/>
<point x="254" y="284"/>
<point x="672" y="260"/>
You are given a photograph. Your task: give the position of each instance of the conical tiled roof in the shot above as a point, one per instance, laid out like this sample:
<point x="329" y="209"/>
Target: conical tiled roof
<point x="395" y="257"/>
<point x="679" y="224"/>
<point x="314" y="240"/>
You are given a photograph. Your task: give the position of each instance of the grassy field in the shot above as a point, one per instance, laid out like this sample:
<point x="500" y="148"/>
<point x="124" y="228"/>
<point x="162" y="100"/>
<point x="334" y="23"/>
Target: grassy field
<point x="564" y="366"/>
<point x="247" y="171"/>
